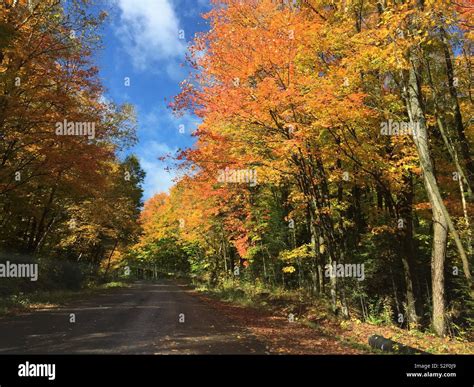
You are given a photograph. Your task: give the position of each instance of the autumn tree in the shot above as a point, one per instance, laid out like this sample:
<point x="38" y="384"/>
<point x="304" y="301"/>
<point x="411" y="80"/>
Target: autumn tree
<point x="63" y="193"/>
<point x="351" y="116"/>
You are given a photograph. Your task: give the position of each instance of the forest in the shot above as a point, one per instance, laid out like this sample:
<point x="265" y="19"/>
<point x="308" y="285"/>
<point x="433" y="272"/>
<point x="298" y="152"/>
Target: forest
<point x="68" y="201"/>
<point x="334" y="159"/>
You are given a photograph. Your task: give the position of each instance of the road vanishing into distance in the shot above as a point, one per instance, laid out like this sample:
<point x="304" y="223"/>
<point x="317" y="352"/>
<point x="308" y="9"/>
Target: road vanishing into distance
<point x="161" y="318"/>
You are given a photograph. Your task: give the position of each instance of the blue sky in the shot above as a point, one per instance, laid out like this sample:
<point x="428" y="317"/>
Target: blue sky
<point x="142" y="42"/>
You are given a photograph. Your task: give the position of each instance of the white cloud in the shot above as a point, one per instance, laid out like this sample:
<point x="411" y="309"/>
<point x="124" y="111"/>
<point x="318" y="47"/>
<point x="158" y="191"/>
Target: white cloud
<point x="158" y="179"/>
<point x="175" y="71"/>
<point x="157" y="149"/>
<point x="158" y="129"/>
<point x="161" y="120"/>
<point x="149" y="31"/>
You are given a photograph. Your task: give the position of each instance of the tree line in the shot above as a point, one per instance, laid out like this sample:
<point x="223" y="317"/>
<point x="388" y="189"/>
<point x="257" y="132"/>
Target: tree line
<point x="333" y="133"/>
<point x="67" y="200"/>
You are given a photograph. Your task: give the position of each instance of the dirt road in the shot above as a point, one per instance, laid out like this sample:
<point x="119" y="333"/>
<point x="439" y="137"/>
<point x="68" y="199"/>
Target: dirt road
<point x="161" y="318"/>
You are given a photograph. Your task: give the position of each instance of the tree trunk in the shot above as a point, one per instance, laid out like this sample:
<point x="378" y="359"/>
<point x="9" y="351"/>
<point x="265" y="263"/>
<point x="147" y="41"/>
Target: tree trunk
<point x="316" y="259"/>
<point x="438" y="256"/>
<point x="458" y="122"/>
<point x="404" y="210"/>
<point x="110" y="260"/>
<point x="440" y="233"/>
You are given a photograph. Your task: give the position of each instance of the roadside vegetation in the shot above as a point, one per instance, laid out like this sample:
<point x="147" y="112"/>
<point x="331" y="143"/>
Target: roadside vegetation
<point x="46" y="299"/>
<point x="69" y="201"/>
<point x="333" y="165"/>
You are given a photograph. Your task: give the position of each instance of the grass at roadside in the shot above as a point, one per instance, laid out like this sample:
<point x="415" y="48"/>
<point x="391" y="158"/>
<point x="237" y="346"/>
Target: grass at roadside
<point x="43" y="299"/>
<point x="316" y="314"/>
